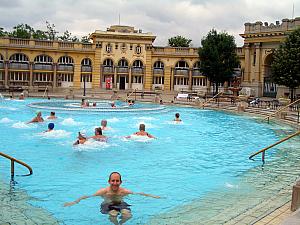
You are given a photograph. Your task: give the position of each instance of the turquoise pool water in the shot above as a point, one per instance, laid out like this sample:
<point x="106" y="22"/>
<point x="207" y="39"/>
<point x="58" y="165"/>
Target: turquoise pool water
<point x="187" y="164"/>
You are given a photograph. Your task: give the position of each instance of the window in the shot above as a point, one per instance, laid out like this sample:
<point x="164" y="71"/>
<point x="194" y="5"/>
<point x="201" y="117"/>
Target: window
<point x="130" y="46"/>
<point x="158" y="80"/>
<point x="87" y="77"/>
<point x="138" y="49"/>
<point x="108" y="48"/>
<point x="116" y="46"/>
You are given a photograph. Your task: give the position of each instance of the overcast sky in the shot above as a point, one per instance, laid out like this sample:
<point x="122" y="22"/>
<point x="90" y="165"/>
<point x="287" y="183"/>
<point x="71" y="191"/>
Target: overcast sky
<point x="192" y="19"/>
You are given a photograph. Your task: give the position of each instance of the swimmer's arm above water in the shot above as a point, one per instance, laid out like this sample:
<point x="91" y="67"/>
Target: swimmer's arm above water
<point x="147" y="195"/>
<point x="101" y="192"/>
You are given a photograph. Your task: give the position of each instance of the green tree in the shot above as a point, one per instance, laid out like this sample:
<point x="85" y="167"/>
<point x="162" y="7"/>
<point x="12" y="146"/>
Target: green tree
<point x="51" y="32"/>
<point x="85" y="39"/>
<point x="67" y="36"/>
<point x="218" y="57"/>
<point x="40" y="35"/>
<point x="286" y="63"/>
<point x="179" y="41"/>
<point x="2" y="32"/>
<point x="21" y="31"/>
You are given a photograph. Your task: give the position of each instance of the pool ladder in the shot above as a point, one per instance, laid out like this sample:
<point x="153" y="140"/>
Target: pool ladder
<point x="12" y="165"/>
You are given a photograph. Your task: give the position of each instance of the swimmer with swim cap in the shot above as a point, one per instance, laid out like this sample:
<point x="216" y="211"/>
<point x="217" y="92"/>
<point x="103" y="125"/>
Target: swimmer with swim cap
<point x="50" y="127"/>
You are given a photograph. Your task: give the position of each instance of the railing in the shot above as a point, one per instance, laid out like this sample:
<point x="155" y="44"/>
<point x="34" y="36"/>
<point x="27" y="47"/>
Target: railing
<point x="65" y="45"/>
<point x="196" y="72"/>
<point x="1" y="65"/>
<point x="44" y="43"/>
<point x="158" y="71"/>
<point x="211" y="99"/>
<point x="134" y="91"/>
<point x="65" y="68"/>
<point x="137" y="70"/>
<point x="85" y="68"/>
<point x="122" y="69"/>
<point x="278" y="142"/>
<point x="108" y="69"/>
<point x="19" y="66"/>
<point x="281" y="109"/>
<point x="12" y="165"/>
<point x="43" y="67"/>
<point x="184" y="72"/>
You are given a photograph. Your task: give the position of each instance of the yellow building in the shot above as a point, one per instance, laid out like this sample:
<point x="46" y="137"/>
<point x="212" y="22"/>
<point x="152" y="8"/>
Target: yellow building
<point x="125" y="59"/>
<point x="260" y="40"/>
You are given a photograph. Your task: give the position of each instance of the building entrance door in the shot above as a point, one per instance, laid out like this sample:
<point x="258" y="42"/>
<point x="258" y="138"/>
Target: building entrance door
<point x="122" y="83"/>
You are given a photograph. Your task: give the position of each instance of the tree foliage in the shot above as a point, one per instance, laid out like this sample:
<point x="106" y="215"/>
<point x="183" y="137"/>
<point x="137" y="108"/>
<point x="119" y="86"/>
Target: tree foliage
<point x="218" y="57"/>
<point x="21" y="31"/>
<point x="179" y="41"/>
<point x="286" y="63"/>
<point x="25" y="31"/>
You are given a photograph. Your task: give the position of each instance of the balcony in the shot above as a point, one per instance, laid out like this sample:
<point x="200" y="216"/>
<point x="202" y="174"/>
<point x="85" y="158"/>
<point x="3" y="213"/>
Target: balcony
<point x="196" y="72"/>
<point x="86" y="69"/>
<point x="175" y="51"/>
<point x="181" y="72"/>
<point x="108" y="69"/>
<point x="43" y="67"/>
<point x="1" y="65"/>
<point x="158" y="71"/>
<point x="69" y="68"/>
<point x="19" y="66"/>
<point x="137" y="70"/>
<point x="122" y="69"/>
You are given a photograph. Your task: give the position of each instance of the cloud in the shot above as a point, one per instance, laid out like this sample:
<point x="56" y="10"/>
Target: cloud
<point x="164" y="18"/>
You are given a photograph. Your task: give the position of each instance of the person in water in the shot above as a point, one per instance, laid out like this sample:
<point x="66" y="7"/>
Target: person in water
<point x="104" y="125"/>
<point x="177" y="117"/>
<point x="52" y="116"/>
<point x="113" y="203"/>
<point x="142" y="132"/>
<point x="50" y="127"/>
<point x="81" y="139"/>
<point x="37" y="119"/>
<point x="98" y="135"/>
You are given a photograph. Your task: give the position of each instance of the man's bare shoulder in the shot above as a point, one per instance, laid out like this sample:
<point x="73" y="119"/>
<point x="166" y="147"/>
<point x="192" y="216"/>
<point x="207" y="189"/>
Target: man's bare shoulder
<point x="102" y="191"/>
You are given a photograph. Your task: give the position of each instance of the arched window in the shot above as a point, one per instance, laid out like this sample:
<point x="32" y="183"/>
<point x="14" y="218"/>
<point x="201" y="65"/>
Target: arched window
<point x="138" y="64"/>
<point x="108" y="63"/>
<point x="182" y="65"/>
<point x="158" y="65"/>
<point x="86" y="65"/>
<point x="197" y="65"/>
<point x="19" y="57"/>
<point x="43" y="59"/>
<point x="123" y="63"/>
<point x="66" y="60"/>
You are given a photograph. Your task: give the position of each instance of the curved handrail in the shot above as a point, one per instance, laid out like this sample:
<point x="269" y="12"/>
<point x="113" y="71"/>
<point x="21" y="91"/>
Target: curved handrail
<point x="129" y="95"/>
<point x="212" y="98"/>
<point x="12" y="160"/>
<point x="279" y="110"/>
<point x="278" y="142"/>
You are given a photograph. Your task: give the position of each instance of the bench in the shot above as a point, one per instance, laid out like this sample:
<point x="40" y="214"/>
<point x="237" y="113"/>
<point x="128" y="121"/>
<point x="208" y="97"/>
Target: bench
<point x="185" y="96"/>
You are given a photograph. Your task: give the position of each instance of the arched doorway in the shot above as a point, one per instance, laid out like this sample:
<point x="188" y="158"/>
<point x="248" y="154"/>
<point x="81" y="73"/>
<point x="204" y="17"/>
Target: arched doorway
<point x="269" y="88"/>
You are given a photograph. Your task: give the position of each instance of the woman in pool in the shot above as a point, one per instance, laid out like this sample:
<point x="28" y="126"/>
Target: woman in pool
<point x="98" y="135"/>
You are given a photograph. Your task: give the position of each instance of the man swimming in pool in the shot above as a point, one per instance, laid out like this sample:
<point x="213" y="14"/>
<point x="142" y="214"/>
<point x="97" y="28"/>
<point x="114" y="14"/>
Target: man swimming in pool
<point x="113" y="203"/>
<point x="142" y="132"/>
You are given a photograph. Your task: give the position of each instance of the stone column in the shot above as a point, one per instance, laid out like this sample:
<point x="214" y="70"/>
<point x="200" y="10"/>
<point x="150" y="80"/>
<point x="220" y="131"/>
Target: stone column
<point x="257" y="62"/>
<point x="54" y="75"/>
<point x="130" y="77"/>
<point x="6" y="72"/>
<point x="247" y="63"/>
<point x="115" y="77"/>
<point x="30" y="74"/>
<point x="190" y="79"/>
<point x="172" y="79"/>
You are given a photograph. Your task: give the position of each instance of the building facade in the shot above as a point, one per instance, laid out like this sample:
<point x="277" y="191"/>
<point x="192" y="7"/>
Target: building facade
<point x="123" y="58"/>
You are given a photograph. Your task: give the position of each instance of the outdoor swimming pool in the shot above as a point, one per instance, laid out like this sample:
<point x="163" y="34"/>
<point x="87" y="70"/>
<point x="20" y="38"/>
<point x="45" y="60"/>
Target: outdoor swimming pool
<point x="200" y="166"/>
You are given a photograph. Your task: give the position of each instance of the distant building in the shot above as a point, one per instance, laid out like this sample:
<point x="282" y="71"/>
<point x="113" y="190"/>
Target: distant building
<point x="124" y="58"/>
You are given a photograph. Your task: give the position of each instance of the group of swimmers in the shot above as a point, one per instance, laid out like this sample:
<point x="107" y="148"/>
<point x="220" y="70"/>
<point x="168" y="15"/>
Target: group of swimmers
<point x="113" y="195"/>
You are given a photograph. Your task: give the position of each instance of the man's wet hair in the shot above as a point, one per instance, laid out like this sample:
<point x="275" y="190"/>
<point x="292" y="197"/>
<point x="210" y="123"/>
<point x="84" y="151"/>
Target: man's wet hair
<point x="99" y="130"/>
<point x="177" y="115"/>
<point x="114" y="173"/>
<point x="142" y="127"/>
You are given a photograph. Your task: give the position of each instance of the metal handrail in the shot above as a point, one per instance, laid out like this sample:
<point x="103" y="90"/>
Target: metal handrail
<point x="212" y="98"/>
<point x="12" y="165"/>
<point x="279" y="110"/>
<point x="278" y="142"/>
<point x="129" y="95"/>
